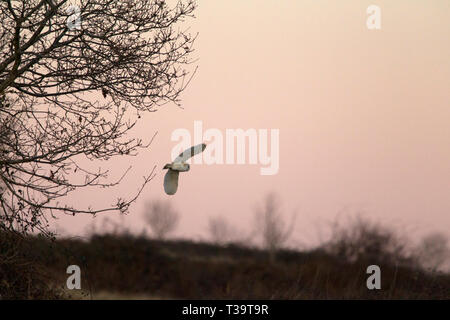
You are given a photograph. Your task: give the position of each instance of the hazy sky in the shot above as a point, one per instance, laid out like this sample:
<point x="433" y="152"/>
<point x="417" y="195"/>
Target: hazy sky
<point x="363" y="116"/>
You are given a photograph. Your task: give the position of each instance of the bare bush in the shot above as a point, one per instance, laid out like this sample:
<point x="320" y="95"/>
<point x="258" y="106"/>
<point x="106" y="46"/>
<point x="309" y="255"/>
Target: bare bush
<point x="362" y="239"/>
<point x="272" y="227"/>
<point x="22" y="277"/>
<point x="433" y="251"/>
<point x="161" y="217"/>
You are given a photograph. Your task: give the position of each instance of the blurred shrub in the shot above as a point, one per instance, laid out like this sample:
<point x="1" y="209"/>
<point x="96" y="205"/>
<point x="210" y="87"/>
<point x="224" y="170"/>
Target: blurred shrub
<point x="367" y="241"/>
<point x="433" y="251"/>
<point x="21" y="277"/>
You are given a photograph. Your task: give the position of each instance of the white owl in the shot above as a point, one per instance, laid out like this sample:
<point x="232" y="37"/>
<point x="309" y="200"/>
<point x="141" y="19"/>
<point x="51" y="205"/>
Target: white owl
<point x="179" y="165"/>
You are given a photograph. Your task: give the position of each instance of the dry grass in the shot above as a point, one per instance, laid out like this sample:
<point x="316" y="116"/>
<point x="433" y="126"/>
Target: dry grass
<point x="130" y="267"/>
<point x="21" y="277"/>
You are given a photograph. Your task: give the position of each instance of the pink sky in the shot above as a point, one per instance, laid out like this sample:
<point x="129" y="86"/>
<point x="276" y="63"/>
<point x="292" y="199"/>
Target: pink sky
<point x="363" y="116"/>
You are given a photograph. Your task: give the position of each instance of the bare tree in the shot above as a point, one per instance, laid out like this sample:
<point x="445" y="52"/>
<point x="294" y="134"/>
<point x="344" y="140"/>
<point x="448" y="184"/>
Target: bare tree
<point x="220" y="230"/>
<point x="272" y="226"/>
<point x="433" y="251"/>
<point x="134" y="52"/>
<point x="161" y="217"/>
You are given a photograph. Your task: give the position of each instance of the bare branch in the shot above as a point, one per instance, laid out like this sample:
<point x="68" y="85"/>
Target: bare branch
<point x="133" y="52"/>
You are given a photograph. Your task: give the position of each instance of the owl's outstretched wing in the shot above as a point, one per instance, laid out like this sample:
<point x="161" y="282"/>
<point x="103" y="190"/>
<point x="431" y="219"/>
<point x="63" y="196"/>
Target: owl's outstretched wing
<point x="188" y="153"/>
<point x="171" y="182"/>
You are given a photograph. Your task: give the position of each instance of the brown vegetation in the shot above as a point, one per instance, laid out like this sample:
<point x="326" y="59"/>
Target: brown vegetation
<point x="137" y="266"/>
